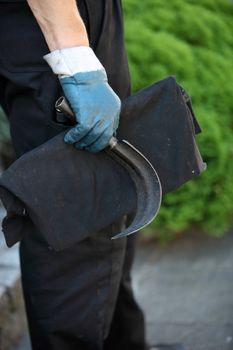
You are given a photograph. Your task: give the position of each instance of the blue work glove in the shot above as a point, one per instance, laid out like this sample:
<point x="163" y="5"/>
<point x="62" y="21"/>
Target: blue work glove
<point x="94" y="103"/>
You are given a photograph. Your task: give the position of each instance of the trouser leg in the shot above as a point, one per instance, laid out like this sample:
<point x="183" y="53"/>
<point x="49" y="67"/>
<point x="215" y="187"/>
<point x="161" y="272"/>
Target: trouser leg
<point x="127" y="330"/>
<point x="70" y="296"/>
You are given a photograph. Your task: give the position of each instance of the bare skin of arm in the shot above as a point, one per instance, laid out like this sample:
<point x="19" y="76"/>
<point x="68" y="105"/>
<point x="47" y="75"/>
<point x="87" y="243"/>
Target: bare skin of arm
<point x="60" y="22"/>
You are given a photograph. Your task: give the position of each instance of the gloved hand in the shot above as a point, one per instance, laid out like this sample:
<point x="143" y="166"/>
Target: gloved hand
<point x="94" y="103"/>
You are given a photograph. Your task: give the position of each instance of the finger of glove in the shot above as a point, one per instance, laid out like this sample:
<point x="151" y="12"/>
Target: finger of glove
<point x="75" y="134"/>
<point x="102" y="142"/>
<point x="116" y="124"/>
<point x="94" y="134"/>
<point x="84" y="145"/>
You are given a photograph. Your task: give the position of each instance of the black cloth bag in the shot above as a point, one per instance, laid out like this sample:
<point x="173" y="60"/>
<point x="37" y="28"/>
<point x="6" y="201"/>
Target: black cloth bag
<point x="70" y="193"/>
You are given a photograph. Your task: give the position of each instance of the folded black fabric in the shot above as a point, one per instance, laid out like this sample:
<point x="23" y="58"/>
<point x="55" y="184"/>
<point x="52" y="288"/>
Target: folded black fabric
<point x="69" y="194"/>
<point x="160" y="122"/>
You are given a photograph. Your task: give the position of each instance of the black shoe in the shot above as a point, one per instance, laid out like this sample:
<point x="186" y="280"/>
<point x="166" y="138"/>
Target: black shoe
<point x="167" y="347"/>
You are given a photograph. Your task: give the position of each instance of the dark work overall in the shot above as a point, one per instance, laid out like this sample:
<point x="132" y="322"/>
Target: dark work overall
<point x="79" y="298"/>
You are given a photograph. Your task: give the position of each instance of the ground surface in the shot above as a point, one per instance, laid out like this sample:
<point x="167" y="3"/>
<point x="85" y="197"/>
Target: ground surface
<point x="186" y="291"/>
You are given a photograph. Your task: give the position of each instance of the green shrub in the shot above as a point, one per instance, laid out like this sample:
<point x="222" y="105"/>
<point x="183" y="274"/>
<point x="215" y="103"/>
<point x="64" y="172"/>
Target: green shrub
<point x="193" y="41"/>
<point x="5" y="146"/>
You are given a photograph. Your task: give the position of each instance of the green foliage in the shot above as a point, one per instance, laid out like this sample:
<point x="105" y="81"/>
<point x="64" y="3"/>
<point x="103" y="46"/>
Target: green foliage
<point x="192" y="40"/>
<point x="5" y="147"/>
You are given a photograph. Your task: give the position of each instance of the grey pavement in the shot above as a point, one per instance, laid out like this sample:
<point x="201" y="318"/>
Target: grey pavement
<point x="185" y="290"/>
<point x="12" y="322"/>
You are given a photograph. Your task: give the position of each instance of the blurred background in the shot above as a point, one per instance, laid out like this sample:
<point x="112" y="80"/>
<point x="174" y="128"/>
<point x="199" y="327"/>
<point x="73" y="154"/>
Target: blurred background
<point x="192" y="40"/>
<point x="187" y="277"/>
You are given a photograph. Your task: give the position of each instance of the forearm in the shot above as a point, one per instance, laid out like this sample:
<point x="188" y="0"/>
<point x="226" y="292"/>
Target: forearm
<point x="82" y="77"/>
<point x="60" y="23"/>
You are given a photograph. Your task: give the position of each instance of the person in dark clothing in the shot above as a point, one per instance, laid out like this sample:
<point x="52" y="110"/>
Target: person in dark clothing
<point x="81" y="297"/>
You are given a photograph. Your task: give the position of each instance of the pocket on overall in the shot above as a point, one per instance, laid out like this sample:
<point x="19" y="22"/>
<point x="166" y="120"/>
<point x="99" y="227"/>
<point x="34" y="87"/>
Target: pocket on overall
<point x="21" y="40"/>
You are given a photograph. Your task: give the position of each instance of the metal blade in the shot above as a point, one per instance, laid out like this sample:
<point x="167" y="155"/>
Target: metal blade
<point x="146" y="181"/>
<point x="144" y="176"/>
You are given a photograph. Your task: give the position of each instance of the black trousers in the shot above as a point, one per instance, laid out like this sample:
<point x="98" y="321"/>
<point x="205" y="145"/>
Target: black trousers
<point x="80" y="298"/>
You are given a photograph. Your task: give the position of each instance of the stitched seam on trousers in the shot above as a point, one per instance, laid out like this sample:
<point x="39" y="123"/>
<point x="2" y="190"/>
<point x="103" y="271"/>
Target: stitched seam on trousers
<point x="105" y="319"/>
<point x="97" y="288"/>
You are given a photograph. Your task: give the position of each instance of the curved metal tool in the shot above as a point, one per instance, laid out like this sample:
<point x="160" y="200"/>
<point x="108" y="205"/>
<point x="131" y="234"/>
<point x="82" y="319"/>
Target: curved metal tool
<point x="144" y="176"/>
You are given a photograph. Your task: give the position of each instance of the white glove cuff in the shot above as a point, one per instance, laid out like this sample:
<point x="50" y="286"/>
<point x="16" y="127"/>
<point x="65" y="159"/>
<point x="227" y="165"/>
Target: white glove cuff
<point x="72" y="60"/>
